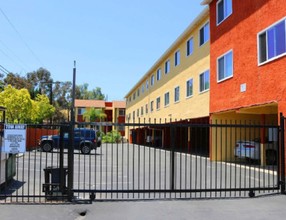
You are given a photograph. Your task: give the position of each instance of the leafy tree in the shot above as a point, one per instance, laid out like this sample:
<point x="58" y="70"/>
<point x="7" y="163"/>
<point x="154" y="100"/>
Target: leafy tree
<point x="82" y="92"/>
<point x="20" y="108"/>
<point x="18" y="104"/>
<point x="41" y="109"/>
<point x="94" y="114"/>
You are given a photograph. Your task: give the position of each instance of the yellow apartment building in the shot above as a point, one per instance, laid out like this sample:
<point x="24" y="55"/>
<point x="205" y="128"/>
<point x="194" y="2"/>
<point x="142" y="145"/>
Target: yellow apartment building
<point x="177" y="86"/>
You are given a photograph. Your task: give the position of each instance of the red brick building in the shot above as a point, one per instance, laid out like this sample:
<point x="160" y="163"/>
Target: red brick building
<point x="247" y="58"/>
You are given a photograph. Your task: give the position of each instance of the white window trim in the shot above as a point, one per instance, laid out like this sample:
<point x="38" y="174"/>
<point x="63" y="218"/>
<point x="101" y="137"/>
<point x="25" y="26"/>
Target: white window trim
<point x="187" y="97"/>
<point x="152" y="83"/>
<point x="217" y="24"/>
<point x="200" y="33"/>
<point x="191" y="38"/>
<point x="201" y="92"/>
<point x="165" y="66"/>
<point x="157" y="74"/>
<point x="164" y="99"/>
<point x="258" y="51"/>
<point x="226" y="78"/>
<point x="159" y="97"/>
<point x="175" y="94"/>
<point x="179" y="60"/>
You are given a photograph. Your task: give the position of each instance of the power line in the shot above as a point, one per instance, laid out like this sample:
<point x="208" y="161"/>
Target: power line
<point x="4" y="70"/>
<point x="8" y="51"/>
<point x="20" y="36"/>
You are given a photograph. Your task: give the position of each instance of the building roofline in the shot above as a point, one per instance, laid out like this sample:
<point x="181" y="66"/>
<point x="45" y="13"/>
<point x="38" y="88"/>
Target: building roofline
<point x="189" y="29"/>
<point x="206" y="2"/>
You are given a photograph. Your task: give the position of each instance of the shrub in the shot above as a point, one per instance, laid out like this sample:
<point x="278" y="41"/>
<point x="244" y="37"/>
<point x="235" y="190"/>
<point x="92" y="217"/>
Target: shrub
<point x="111" y="137"/>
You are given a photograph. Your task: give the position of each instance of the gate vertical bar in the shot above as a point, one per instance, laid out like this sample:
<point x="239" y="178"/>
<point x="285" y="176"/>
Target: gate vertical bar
<point x="282" y="162"/>
<point x="172" y="174"/>
<point x="71" y="141"/>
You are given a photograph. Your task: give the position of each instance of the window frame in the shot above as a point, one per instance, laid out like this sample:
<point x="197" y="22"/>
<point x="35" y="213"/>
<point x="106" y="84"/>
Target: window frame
<point x="202" y="27"/>
<point x="217" y="66"/>
<point x="151" y="106"/>
<point x="205" y="90"/>
<point x="176" y="101"/>
<point x="224" y="12"/>
<point x="152" y="80"/>
<point x="158" y="103"/>
<point x="189" y="96"/>
<point x="264" y="31"/>
<point x="188" y="51"/>
<point x="167" y="66"/>
<point x="158" y="73"/>
<point x="177" y="58"/>
<point x="166" y="104"/>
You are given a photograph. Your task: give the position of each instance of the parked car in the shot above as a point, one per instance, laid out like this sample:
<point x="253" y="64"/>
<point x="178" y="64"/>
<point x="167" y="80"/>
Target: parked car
<point x="85" y="140"/>
<point x="251" y="150"/>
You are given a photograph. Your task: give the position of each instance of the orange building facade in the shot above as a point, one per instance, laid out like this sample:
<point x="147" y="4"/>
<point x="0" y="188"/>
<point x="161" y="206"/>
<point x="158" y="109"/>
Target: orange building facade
<point x="247" y="59"/>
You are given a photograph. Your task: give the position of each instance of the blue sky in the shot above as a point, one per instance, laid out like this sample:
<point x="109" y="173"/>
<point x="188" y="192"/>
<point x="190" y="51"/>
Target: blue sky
<point x="113" y="42"/>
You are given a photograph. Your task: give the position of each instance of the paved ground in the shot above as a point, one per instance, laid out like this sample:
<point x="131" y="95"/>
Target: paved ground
<point x="271" y="207"/>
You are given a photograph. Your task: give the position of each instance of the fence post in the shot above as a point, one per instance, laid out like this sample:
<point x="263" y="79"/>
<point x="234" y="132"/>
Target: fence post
<point x="282" y="156"/>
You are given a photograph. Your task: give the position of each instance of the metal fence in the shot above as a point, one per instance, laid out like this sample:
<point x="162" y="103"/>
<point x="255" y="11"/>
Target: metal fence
<point x="174" y="160"/>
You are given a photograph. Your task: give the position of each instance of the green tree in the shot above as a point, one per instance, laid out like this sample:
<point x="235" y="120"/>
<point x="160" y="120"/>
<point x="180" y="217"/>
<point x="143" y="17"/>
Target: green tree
<point x="18" y="104"/>
<point x="82" y="92"/>
<point x="41" y="109"/>
<point x="20" y="108"/>
<point x="93" y="115"/>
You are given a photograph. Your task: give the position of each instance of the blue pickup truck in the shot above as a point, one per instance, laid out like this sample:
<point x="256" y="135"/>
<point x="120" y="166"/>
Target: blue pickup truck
<point x="85" y="140"/>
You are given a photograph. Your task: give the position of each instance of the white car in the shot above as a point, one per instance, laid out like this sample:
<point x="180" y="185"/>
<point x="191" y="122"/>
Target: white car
<point x="251" y="150"/>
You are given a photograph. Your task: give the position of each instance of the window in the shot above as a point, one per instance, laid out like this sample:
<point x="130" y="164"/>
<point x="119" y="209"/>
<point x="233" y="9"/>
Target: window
<point x="272" y="42"/>
<point x="225" y="66"/>
<point x="138" y="112"/>
<point x="167" y="99"/>
<point x="142" y="110"/>
<point x="158" y="74"/>
<point x="177" y="94"/>
<point x="134" y="95"/>
<point x="177" y="58"/>
<point x="152" y="106"/>
<point x="81" y="111"/>
<point x="138" y="92"/>
<point x="158" y="103"/>
<point x="204" y="34"/>
<point x="142" y="88"/>
<point x="133" y="115"/>
<point x="223" y="10"/>
<point x="167" y="66"/>
<point x="190" y="46"/>
<point x="205" y="81"/>
<point x="121" y="112"/>
<point x="146" y="108"/>
<point x="147" y="84"/>
<point x="152" y="80"/>
<point x="189" y="87"/>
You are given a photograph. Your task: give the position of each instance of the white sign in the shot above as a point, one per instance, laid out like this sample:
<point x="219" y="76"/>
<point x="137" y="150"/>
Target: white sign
<point x="15" y="138"/>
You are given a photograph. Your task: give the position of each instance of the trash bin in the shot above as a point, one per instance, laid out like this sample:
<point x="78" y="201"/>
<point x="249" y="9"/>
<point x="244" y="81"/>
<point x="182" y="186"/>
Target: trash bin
<point x="53" y="187"/>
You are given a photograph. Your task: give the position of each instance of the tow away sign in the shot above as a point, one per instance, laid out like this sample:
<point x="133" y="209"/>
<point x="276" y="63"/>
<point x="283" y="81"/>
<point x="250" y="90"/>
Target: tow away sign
<point x="15" y="138"/>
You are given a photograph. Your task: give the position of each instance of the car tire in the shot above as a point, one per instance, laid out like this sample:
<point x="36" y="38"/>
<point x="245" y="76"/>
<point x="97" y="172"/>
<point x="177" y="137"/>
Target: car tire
<point x="47" y="146"/>
<point x="85" y="149"/>
<point x="271" y="157"/>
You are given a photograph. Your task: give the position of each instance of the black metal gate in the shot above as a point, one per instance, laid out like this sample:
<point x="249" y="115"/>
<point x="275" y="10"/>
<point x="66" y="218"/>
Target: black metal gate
<point x="170" y="160"/>
<point x="173" y="166"/>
